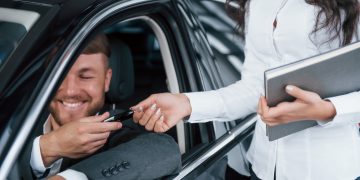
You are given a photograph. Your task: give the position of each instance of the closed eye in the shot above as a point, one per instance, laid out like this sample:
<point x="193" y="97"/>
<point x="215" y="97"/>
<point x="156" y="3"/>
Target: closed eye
<point x="86" y="77"/>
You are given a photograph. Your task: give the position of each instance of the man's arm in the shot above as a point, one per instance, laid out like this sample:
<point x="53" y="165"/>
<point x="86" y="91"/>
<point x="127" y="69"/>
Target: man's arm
<point x="74" y="140"/>
<point x="37" y="165"/>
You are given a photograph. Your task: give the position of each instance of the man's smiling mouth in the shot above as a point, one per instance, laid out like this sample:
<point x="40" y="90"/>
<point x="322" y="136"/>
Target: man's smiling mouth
<point x="72" y="105"/>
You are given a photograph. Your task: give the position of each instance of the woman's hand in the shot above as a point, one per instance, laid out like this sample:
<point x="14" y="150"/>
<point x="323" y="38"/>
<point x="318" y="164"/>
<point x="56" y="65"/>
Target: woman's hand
<point x="307" y="106"/>
<point x="160" y="112"/>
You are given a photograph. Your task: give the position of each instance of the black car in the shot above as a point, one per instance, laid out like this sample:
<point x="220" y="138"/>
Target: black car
<point x="164" y="46"/>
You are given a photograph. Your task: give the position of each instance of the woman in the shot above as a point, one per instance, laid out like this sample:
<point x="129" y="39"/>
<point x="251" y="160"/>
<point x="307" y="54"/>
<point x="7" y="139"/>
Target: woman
<point x="279" y="32"/>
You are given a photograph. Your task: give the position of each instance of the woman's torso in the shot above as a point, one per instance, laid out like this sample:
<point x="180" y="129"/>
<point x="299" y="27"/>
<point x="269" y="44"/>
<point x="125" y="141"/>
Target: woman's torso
<point x="315" y="153"/>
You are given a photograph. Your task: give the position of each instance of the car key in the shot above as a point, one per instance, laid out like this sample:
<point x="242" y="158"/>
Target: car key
<point x="120" y="117"/>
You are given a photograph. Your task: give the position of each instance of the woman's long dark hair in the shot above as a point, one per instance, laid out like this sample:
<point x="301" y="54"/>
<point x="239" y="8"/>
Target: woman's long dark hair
<point x="330" y="9"/>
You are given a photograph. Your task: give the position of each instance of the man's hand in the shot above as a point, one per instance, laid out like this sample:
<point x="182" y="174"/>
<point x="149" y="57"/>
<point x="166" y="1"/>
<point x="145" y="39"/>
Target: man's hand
<point x="56" y="178"/>
<point x="307" y="106"/>
<point x="160" y="112"/>
<point x="76" y="139"/>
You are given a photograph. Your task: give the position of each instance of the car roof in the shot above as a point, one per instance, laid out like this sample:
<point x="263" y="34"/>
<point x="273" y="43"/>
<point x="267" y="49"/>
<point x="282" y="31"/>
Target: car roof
<point x="70" y="9"/>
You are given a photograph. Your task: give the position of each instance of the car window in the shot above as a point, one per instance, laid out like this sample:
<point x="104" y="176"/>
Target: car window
<point x="14" y="24"/>
<point x="137" y="72"/>
<point x="228" y="48"/>
<point x="225" y="42"/>
<point x="146" y="44"/>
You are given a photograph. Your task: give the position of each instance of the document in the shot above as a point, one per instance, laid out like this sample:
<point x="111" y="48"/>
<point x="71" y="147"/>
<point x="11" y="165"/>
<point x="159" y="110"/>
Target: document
<point x="329" y="74"/>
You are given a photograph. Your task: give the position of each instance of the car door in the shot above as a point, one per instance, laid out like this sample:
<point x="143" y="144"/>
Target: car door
<point x="228" y="48"/>
<point x="52" y="52"/>
<point x="23" y="25"/>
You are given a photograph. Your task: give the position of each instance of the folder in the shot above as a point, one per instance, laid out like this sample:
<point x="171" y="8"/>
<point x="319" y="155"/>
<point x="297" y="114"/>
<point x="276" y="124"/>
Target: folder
<point x="333" y="73"/>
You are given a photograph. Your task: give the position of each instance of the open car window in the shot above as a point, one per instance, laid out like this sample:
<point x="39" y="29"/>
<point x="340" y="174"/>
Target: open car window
<point x="138" y="70"/>
<point x="156" y="53"/>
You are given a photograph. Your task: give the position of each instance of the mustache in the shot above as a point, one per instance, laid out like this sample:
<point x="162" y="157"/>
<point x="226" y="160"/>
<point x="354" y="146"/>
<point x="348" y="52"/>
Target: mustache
<point x="71" y="98"/>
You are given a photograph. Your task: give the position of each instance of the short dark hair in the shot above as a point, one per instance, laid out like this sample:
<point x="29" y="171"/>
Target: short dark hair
<point x="99" y="44"/>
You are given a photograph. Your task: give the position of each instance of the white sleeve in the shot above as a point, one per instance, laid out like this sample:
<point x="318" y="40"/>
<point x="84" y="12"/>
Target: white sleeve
<point x="346" y="106"/>
<point x="36" y="161"/>
<point x="72" y="174"/>
<point x="347" y="109"/>
<point x="232" y="102"/>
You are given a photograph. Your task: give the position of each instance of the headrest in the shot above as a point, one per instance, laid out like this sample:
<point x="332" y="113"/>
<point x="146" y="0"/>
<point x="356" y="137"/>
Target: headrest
<point x="121" y="63"/>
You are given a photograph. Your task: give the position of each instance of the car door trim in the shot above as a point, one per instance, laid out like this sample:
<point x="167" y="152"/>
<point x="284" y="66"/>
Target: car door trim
<point x="238" y="133"/>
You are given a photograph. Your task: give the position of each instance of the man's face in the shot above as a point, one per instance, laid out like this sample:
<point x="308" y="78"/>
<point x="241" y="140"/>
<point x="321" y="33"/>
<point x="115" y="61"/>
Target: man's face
<point x="82" y="93"/>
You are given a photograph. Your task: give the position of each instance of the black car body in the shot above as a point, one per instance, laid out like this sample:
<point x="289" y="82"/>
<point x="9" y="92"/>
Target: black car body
<point x="183" y="45"/>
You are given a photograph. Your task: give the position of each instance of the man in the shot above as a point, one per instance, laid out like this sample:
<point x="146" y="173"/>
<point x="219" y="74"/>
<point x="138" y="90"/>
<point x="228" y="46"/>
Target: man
<point x="75" y="127"/>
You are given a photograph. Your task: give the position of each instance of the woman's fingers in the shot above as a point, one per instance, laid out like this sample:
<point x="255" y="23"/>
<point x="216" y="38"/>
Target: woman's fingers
<point x="138" y="113"/>
<point x="153" y="119"/>
<point x="147" y="115"/>
<point x="306" y="96"/>
<point x="259" y="110"/>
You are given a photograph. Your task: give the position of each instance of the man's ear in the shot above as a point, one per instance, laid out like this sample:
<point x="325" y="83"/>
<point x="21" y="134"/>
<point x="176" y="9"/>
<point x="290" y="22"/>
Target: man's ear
<point x="108" y="76"/>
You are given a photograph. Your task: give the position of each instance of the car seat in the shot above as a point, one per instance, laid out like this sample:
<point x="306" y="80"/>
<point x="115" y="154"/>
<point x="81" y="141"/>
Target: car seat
<point x="122" y="81"/>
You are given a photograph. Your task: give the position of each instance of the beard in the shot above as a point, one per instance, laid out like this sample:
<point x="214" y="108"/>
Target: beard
<point x="65" y="109"/>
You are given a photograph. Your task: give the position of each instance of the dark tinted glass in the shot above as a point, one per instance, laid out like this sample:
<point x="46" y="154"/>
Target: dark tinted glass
<point x="13" y="28"/>
<point x="226" y="44"/>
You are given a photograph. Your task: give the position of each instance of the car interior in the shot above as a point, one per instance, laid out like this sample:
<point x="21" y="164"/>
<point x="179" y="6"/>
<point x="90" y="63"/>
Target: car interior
<point x="137" y="65"/>
<point x="138" y="71"/>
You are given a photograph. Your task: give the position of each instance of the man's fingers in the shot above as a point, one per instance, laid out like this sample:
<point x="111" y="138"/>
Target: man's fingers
<point x="101" y="127"/>
<point x="96" y="144"/>
<point x="98" y="136"/>
<point x="97" y="118"/>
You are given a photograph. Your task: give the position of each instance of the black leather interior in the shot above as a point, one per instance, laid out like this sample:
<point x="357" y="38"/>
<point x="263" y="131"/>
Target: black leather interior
<point x="121" y="62"/>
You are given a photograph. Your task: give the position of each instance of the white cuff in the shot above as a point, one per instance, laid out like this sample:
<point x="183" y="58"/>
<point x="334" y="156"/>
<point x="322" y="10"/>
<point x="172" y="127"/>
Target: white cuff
<point x="72" y="174"/>
<point x="205" y="106"/>
<point x="347" y="110"/>
<point x="36" y="161"/>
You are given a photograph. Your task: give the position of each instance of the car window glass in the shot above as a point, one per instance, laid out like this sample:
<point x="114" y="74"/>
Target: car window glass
<point x="14" y="24"/>
<point x="226" y="44"/>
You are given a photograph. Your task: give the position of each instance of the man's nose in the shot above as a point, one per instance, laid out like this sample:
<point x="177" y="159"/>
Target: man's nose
<point x="70" y="86"/>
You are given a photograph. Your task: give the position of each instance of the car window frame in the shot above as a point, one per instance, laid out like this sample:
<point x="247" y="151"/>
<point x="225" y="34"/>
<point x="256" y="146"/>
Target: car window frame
<point x="47" y="13"/>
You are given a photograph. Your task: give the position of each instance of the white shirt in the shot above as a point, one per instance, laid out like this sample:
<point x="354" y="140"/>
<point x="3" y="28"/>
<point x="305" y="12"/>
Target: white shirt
<point x="37" y="163"/>
<point x="327" y="151"/>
